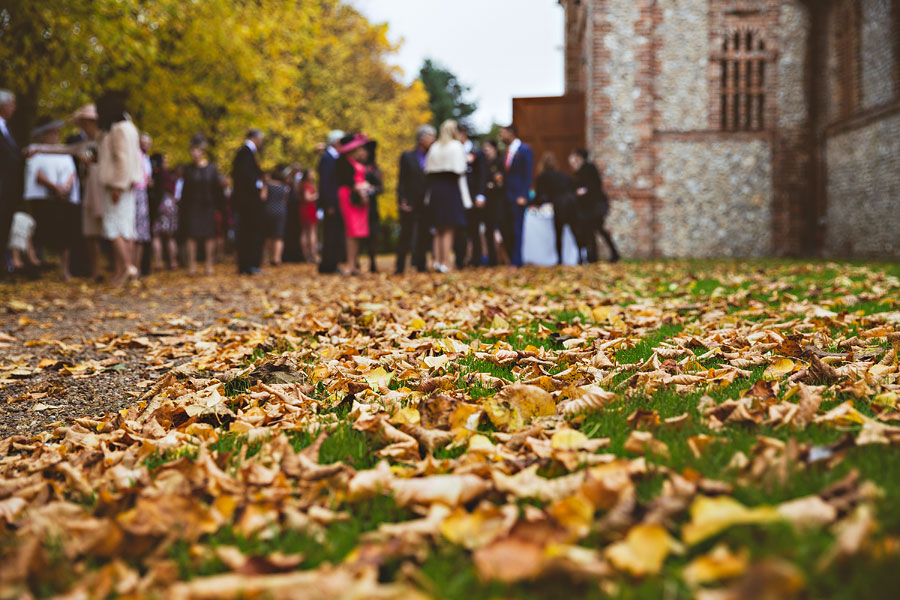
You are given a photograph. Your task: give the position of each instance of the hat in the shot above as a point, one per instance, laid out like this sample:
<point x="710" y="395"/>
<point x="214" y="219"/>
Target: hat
<point x="352" y="142"/>
<point x="45" y="126"/>
<point x="88" y="112"/>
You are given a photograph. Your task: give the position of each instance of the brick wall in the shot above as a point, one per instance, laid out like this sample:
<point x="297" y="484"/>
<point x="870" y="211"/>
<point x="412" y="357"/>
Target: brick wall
<point x="652" y="73"/>
<point x="859" y="128"/>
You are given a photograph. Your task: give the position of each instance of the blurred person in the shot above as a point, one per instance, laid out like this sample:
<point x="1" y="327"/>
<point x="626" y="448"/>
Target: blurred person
<point x="52" y="195"/>
<point x="518" y="167"/>
<point x="164" y="213"/>
<point x="23" y="256"/>
<point x="92" y="198"/>
<point x="293" y="249"/>
<point x="414" y="226"/>
<point x="142" y="203"/>
<point x="247" y="198"/>
<point x="495" y="201"/>
<point x="333" y="245"/>
<point x="354" y="194"/>
<point x="469" y="247"/>
<point x="121" y="168"/>
<point x="275" y="218"/>
<point x="447" y="196"/>
<point x="10" y="173"/>
<point x="593" y="205"/>
<point x="376" y="179"/>
<point x="202" y="194"/>
<point x="557" y="188"/>
<point x="309" y="219"/>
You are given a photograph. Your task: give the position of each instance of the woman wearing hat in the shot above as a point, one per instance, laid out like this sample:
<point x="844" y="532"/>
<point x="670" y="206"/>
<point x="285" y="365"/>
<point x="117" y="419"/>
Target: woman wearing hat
<point x="52" y="195"/>
<point x="202" y="193"/>
<point x="354" y="193"/>
<point x="447" y="195"/>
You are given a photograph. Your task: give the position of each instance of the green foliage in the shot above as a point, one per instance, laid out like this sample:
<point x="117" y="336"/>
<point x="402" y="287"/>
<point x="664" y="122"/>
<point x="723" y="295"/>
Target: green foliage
<point x="446" y="95"/>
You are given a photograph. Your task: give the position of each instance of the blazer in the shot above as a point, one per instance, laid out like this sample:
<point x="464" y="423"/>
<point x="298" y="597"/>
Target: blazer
<point x="245" y="173"/>
<point x="119" y="159"/>
<point x="411" y="180"/>
<point x="519" y="174"/>
<point x="11" y="174"/>
<point x="328" y="186"/>
<point x="476" y="174"/>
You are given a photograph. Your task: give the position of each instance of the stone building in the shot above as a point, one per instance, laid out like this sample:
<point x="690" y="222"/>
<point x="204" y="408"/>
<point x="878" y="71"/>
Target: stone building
<point x="743" y="127"/>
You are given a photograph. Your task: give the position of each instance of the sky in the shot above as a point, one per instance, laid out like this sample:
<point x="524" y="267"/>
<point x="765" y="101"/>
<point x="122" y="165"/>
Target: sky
<point x="501" y="49"/>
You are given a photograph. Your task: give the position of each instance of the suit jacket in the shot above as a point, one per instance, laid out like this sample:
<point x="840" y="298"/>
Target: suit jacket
<point x="245" y="173"/>
<point x="519" y="174"/>
<point x="476" y="174"/>
<point x="411" y="181"/>
<point x="11" y="174"/>
<point x="328" y="186"/>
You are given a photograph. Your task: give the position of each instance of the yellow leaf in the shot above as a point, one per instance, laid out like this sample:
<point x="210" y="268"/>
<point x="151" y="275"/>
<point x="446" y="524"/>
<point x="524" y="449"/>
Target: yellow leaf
<point x="778" y="369"/>
<point x="499" y="323"/>
<point x="568" y="439"/>
<point x="516" y="405"/>
<point x="482" y="445"/>
<point x="484" y="525"/>
<point x="416" y="324"/>
<point x="437" y="362"/>
<point x="408" y="415"/>
<point x="709" y="516"/>
<point x="378" y="379"/>
<point x="887" y="399"/>
<point x="643" y="550"/>
<point x="719" y="564"/>
<point x="575" y="514"/>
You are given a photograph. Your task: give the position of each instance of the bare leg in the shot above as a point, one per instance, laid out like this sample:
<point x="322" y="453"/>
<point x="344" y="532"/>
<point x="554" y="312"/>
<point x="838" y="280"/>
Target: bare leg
<point x="93" y="246"/>
<point x="210" y="255"/>
<point x="138" y="252"/>
<point x="448" y="248"/>
<point x="173" y="253"/>
<point x="156" y="243"/>
<point x="191" y="256"/>
<point x="353" y="255"/>
<point x="122" y="253"/>
<point x="277" y="251"/>
<point x="313" y="244"/>
<point x="64" y="260"/>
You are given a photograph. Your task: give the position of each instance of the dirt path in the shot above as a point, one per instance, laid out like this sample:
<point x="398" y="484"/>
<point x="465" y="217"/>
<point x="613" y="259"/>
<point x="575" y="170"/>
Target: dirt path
<point x="67" y="350"/>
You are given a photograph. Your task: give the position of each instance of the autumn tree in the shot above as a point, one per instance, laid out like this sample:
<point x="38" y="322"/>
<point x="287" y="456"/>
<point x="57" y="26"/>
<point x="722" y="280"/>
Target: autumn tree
<point x="447" y="96"/>
<point x="295" y="69"/>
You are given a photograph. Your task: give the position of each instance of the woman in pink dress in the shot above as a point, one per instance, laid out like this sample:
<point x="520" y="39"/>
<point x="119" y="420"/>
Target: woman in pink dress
<point x="354" y="194"/>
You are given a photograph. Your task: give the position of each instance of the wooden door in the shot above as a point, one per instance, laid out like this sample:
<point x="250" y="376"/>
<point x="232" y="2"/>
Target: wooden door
<point x="555" y="124"/>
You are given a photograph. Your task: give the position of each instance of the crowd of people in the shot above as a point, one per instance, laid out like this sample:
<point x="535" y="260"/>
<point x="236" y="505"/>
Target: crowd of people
<point x="104" y="191"/>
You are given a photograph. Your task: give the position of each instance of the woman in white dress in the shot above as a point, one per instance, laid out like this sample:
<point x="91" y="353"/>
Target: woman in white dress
<point x="121" y="168"/>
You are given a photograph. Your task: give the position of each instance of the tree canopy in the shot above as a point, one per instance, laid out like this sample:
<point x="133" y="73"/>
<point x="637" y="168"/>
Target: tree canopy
<point x="293" y="68"/>
<point x="447" y="96"/>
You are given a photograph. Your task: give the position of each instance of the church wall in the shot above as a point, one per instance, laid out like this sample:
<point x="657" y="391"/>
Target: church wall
<point x="863" y="188"/>
<point x="684" y="60"/>
<point x="716" y="198"/>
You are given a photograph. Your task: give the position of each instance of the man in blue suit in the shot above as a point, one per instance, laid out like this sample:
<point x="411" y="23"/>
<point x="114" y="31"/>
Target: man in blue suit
<point x="518" y="168"/>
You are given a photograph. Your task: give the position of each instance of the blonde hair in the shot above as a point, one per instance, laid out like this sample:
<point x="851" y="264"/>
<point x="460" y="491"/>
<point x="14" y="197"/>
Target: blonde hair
<point x="449" y="131"/>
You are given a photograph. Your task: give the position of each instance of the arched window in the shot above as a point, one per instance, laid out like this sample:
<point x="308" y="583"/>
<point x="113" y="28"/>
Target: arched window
<point x="743" y="67"/>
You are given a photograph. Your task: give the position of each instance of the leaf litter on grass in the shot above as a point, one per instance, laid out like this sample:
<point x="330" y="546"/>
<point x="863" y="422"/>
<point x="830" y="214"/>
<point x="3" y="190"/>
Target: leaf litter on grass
<point x="624" y="428"/>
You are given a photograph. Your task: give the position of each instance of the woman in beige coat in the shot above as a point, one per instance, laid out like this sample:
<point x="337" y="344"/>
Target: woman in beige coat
<point x="120" y="167"/>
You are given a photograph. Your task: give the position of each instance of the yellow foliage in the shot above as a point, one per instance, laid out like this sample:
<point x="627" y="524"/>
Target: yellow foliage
<point x="294" y="69"/>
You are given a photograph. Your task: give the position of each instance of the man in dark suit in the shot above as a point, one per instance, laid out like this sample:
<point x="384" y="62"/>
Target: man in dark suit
<point x="333" y="245"/>
<point x="247" y="199"/>
<point x="476" y="178"/>
<point x="414" y="234"/>
<point x="593" y="205"/>
<point x="518" y="167"/>
<point x="10" y="173"/>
